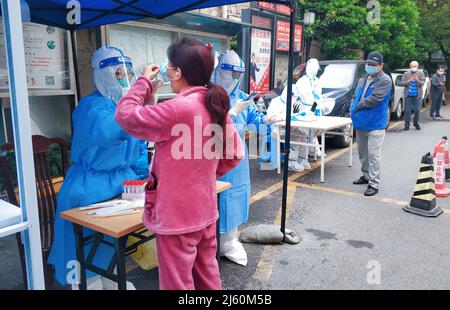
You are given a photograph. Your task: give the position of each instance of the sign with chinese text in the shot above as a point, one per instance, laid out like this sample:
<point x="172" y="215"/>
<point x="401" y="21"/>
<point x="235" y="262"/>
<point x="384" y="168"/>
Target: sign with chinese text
<point x="45" y="58"/>
<point x="282" y="38"/>
<point x="260" y="61"/>
<point x="280" y="8"/>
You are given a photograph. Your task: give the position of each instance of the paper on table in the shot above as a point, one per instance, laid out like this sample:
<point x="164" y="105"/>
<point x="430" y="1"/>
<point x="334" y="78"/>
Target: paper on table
<point x="135" y="204"/>
<point x="126" y="212"/>
<point x="103" y="204"/>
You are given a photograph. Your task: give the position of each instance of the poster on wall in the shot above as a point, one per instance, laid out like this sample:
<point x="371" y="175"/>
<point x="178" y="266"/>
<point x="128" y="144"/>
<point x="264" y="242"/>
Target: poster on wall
<point x="45" y="58"/>
<point x="260" y="61"/>
<point x="282" y="37"/>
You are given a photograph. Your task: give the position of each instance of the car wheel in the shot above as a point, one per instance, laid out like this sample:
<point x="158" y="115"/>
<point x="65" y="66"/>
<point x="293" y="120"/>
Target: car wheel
<point x="398" y="112"/>
<point x="388" y="116"/>
<point x="342" y="141"/>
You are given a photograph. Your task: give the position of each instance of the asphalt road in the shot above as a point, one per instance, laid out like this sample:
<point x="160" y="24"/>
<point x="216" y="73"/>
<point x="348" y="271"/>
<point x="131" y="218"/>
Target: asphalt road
<point x="349" y="241"/>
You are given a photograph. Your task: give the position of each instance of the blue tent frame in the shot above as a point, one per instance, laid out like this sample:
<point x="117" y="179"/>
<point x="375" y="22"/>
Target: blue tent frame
<point x="93" y="13"/>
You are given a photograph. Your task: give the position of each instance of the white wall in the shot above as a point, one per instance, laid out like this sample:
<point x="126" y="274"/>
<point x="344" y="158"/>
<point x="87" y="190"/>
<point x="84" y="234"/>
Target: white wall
<point x="50" y="116"/>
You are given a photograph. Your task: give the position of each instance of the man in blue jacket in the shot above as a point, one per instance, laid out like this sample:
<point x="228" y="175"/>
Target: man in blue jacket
<point x="369" y="112"/>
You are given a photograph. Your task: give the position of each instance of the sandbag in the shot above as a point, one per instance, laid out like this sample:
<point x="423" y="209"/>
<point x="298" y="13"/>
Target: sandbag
<point x="268" y="234"/>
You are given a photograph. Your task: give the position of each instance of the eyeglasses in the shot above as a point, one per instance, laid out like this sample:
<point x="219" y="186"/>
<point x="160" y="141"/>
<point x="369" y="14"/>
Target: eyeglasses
<point x="120" y="73"/>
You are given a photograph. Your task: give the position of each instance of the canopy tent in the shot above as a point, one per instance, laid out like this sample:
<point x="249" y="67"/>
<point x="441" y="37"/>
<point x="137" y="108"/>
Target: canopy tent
<point x="88" y="13"/>
<point x="102" y="12"/>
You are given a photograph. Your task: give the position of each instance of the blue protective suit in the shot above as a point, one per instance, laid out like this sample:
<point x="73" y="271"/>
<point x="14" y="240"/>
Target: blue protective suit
<point x="235" y="202"/>
<point x="103" y="156"/>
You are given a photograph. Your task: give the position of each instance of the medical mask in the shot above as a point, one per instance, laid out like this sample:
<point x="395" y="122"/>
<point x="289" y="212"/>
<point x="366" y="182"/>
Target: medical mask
<point x="414" y="69"/>
<point x="235" y="85"/>
<point x="371" y="70"/>
<point x="123" y="83"/>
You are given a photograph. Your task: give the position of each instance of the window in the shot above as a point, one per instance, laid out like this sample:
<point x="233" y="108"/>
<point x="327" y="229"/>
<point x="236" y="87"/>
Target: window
<point x="338" y="76"/>
<point x="148" y="45"/>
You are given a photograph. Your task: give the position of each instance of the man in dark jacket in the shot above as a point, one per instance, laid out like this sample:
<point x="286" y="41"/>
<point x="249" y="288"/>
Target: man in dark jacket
<point x="437" y="91"/>
<point x="413" y="81"/>
<point x="369" y="113"/>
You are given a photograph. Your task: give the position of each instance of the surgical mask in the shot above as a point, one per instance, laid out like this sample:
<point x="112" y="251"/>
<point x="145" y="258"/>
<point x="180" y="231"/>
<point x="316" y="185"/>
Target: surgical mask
<point x="371" y="70"/>
<point x="123" y="83"/>
<point x="414" y="69"/>
<point x="235" y="85"/>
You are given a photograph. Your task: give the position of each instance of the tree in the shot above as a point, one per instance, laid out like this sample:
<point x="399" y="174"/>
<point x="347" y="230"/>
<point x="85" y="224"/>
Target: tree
<point x="435" y="28"/>
<point x="343" y="28"/>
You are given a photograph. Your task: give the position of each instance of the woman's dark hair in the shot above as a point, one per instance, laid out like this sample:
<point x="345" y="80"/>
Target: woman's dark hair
<point x="196" y="61"/>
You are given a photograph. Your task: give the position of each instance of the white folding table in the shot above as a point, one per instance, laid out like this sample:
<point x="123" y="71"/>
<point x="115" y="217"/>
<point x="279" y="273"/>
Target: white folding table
<point x="323" y="125"/>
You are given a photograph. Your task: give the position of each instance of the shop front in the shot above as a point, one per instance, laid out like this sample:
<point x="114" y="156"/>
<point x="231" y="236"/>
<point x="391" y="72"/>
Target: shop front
<point x="50" y="82"/>
<point x="265" y="46"/>
<point x="147" y="40"/>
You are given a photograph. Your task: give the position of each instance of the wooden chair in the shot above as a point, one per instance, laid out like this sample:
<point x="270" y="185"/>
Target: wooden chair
<point x="46" y="193"/>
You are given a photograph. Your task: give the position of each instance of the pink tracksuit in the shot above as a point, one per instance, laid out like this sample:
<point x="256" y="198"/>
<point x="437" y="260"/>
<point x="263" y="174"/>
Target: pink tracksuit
<point x="183" y="211"/>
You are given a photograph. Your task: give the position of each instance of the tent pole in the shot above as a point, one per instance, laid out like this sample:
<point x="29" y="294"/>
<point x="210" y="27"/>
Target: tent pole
<point x="287" y="143"/>
<point x="73" y="44"/>
<point x="20" y="114"/>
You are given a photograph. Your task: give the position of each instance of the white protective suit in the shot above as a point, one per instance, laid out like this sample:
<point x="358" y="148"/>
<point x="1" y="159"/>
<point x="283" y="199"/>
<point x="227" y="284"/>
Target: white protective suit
<point x="310" y="91"/>
<point x="277" y="109"/>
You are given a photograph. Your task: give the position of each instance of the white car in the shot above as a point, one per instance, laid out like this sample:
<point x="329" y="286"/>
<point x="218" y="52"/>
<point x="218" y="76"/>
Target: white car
<point x="398" y="105"/>
<point x="426" y="88"/>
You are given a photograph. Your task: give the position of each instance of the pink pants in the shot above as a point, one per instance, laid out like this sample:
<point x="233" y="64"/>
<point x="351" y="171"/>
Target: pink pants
<point x="188" y="261"/>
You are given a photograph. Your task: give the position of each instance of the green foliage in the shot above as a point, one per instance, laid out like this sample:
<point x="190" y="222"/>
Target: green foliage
<point x="435" y="27"/>
<point x="342" y="28"/>
<point x="54" y="161"/>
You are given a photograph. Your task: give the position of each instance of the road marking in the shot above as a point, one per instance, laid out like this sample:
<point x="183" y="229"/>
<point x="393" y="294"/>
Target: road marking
<point x="264" y="193"/>
<point x="355" y="194"/>
<point x="264" y="268"/>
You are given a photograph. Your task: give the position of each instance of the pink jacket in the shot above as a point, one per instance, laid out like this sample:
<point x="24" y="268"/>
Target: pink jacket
<point x="185" y="200"/>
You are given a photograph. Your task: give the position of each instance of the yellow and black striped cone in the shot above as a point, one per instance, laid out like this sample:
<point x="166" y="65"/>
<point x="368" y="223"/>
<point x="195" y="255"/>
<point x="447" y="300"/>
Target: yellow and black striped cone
<point x="423" y="201"/>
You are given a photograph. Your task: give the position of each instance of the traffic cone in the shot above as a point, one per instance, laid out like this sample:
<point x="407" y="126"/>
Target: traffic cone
<point x="439" y="168"/>
<point x="447" y="160"/>
<point x="423" y="201"/>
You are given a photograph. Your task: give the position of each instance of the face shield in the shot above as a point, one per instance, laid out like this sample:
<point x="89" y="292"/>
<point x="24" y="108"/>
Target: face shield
<point x="229" y="71"/>
<point x="113" y="74"/>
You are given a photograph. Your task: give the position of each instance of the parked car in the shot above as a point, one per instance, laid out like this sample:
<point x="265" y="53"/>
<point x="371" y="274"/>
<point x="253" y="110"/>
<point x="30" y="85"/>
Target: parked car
<point x="339" y="79"/>
<point x="399" y="96"/>
<point x="426" y="88"/>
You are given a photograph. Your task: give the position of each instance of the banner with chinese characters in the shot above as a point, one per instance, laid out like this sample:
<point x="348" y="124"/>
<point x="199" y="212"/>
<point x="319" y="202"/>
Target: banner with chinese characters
<point x="279" y="8"/>
<point x="45" y="58"/>
<point x="282" y="37"/>
<point x="260" y="61"/>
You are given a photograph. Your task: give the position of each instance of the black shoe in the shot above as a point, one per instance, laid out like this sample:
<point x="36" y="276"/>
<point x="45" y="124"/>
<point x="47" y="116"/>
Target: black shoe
<point x="406" y="128"/>
<point x="417" y="127"/>
<point x="362" y="180"/>
<point x="371" y="191"/>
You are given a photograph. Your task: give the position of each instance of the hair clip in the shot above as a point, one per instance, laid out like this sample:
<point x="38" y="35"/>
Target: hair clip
<point x="209" y="45"/>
